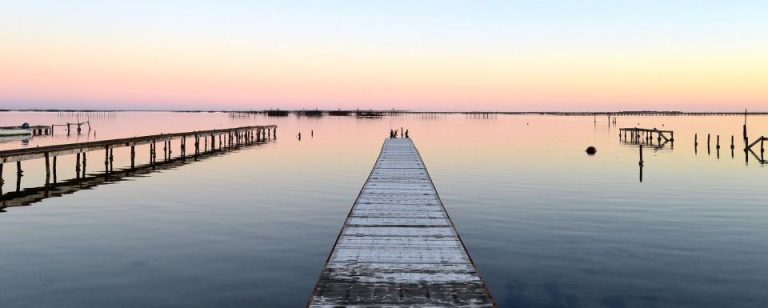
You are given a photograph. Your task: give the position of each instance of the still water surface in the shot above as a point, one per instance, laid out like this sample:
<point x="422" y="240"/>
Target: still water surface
<point x="547" y="225"/>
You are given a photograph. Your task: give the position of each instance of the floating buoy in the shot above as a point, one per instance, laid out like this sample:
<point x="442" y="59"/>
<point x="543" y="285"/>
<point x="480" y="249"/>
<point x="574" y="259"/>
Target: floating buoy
<point x="591" y="150"/>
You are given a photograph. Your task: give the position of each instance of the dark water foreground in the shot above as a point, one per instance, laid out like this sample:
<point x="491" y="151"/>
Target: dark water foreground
<point x="547" y="225"/>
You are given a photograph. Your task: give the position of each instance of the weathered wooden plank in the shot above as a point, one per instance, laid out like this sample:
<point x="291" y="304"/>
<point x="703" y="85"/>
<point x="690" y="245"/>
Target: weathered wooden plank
<point x="398" y="246"/>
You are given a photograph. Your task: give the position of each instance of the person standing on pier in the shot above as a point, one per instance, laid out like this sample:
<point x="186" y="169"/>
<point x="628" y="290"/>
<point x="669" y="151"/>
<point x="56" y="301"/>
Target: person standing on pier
<point x="299" y="136"/>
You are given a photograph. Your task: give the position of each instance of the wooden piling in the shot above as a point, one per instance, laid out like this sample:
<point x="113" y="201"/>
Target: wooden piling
<point x="133" y="156"/>
<point x="718" y="142"/>
<point x="47" y="168"/>
<point x="77" y="165"/>
<point x="641" y="155"/>
<point x="85" y="161"/>
<point x="19" y="174"/>
<point x="54" y="169"/>
<point x="106" y="159"/>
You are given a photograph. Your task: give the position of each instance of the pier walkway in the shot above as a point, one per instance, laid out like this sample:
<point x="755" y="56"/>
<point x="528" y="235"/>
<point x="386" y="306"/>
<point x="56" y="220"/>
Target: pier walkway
<point x="398" y="246"/>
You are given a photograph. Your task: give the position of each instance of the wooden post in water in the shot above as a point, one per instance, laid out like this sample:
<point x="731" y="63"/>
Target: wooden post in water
<point x="47" y="168"/>
<point x="133" y="156"/>
<point x="197" y="146"/>
<point x="641" y="155"/>
<point x="111" y="159"/>
<point x="84" y="164"/>
<point x="733" y="145"/>
<point x="77" y="165"/>
<point x="106" y="159"/>
<point x="54" y="169"/>
<point x="718" y="142"/>
<point x="19" y="174"/>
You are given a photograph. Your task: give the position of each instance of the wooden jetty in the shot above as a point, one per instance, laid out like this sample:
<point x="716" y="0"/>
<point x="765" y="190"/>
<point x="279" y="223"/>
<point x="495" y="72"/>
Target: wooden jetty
<point x="226" y="138"/>
<point x="32" y="195"/>
<point x="761" y="141"/>
<point x="78" y="125"/>
<point x="33" y="130"/>
<point x="636" y="135"/>
<point x="398" y="246"/>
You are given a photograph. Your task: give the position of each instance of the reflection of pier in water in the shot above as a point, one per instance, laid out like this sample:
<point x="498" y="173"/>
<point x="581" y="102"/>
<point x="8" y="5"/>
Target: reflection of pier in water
<point x="29" y="196"/>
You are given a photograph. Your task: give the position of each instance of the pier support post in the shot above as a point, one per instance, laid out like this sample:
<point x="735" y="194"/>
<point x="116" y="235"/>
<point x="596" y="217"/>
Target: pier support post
<point x="54" y="169"/>
<point x="19" y="174"/>
<point x="106" y="159"/>
<point x="1" y="179"/>
<point x="85" y="161"/>
<point x="111" y="159"/>
<point x="47" y="168"/>
<point x="197" y="146"/>
<point x="641" y="156"/>
<point x="133" y="156"/>
<point x="77" y="165"/>
<point x="170" y="149"/>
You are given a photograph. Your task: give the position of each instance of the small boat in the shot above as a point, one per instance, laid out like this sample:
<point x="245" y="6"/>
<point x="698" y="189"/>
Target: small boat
<point x="23" y="130"/>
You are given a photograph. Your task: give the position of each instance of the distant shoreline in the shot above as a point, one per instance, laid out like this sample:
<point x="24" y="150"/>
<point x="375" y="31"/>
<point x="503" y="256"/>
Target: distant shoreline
<point x="396" y="112"/>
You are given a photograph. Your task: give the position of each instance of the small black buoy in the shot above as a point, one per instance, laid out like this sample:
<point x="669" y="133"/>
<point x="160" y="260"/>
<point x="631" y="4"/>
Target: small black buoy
<point x="591" y="150"/>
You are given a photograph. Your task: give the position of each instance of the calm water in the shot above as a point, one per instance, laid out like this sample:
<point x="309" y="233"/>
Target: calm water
<point x="547" y="225"/>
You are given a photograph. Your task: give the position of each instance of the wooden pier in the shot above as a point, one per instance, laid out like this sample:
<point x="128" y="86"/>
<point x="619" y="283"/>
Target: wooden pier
<point x="637" y="135"/>
<point x="760" y="158"/>
<point x="34" y="130"/>
<point x="398" y="246"/>
<point x="212" y="140"/>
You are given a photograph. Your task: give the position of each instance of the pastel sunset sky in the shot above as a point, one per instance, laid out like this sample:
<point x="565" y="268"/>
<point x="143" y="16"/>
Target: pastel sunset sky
<point x="418" y="55"/>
